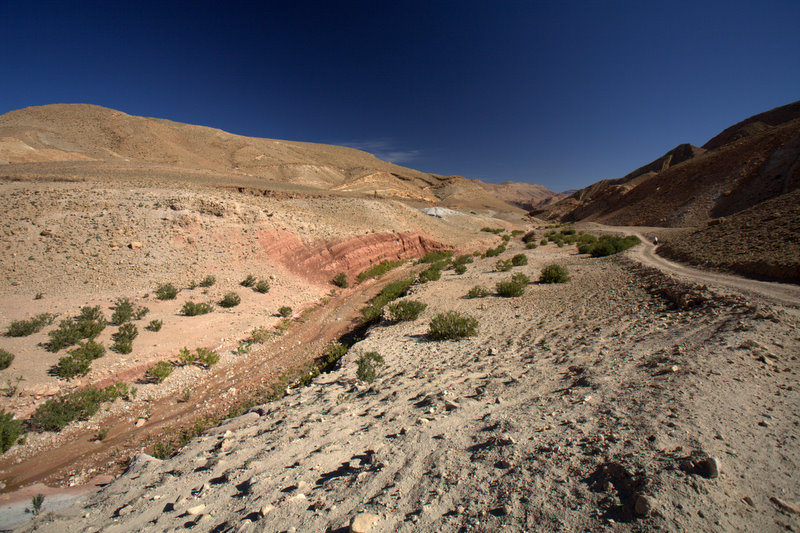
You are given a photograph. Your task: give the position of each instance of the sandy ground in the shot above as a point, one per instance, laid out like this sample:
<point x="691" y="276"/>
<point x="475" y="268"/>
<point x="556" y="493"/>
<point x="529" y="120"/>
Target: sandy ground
<point x="592" y="405"/>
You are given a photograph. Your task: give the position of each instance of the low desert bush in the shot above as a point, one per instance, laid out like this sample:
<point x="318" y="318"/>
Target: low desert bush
<point x="125" y="311"/>
<point x="159" y="372"/>
<point x="6" y="358"/>
<point x="10" y="430"/>
<point x="368" y="364"/>
<point x="340" y="280"/>
<point x="285" y="311"/>
<point x="554" y="274"/>
<point x="543" y="242"/>
<point x="496" y="231"/>
<point x="89" y="324"/>
<point x="477" y="292"/>
<point x="166" y="291"/>
<point x="23" y="328"/>
<point x="191" y="308"/>
<point x="186" y="358"/>
<point x="207" y="358"/>
<point x="513" y="287"/>
<point x="519" y="260"/>
<point x="231" y="299"/>
<point x="530" y="245"/>
<point x="607" y="245"/>
<point x="56" y="413"/>
<point x="262" y="286"/>
<point x="452" y="325"/>
<point x="460" y="269"/>
<point x="154" y="325"/>
<point x="435" y="257"/>
<point x="249" y="281"/>
<point x="372" y="312"/>
<point x="462" y="260"/>
<point x="432" y="273"/>
<point x="503" y="265"/>
<point x="494" y="252"/>
<point x="260" y="334"/>
<point x="208" y="281"/>
<point x="378" y="270"/>
<point x="517" y="232"/>
<point x="405" y="310"/>
<point x="69" y="367"/>
<point x="123" y="338"/>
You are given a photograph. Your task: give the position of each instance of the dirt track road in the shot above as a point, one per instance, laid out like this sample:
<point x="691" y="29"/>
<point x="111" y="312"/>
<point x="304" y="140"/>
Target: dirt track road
<point x="783" y="293"/>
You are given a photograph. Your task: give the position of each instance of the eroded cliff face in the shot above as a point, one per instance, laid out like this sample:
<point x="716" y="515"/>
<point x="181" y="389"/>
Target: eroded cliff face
<point x="321" y="261"/>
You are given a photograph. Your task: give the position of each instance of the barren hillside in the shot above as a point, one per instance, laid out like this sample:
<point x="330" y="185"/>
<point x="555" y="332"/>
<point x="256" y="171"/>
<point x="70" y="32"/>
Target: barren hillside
<point x="690" y="185"/>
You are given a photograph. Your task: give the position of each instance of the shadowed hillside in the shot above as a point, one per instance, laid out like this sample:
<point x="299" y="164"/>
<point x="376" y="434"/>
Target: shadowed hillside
<point x="744" y="165"/>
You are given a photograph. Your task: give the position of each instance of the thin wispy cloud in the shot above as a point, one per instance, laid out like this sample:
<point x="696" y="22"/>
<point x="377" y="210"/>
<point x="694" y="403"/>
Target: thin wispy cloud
<point x="383" y="149"/>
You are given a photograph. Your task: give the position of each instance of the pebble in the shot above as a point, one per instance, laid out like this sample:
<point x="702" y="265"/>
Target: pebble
<point x="708" y="467"/>
<point x="196" y="510"/>
<point x="363" y="522"/>
<point x="644" y="505"/>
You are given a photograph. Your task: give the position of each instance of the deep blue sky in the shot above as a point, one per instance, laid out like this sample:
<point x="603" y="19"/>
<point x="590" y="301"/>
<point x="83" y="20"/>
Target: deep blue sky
<point x="560" y="93"/>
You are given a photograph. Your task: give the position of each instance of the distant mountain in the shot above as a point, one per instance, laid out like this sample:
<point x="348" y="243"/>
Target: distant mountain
<point x="523" y="195"/>
<point x="94" y="139"/>
<point x="748" y="163"/>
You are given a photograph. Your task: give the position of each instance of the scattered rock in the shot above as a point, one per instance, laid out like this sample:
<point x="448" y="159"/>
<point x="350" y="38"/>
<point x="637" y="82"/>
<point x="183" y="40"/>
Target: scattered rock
<point x="788" y="507"/>
<point x="708" y="467"/>
<point x="135" y="245"/>
<point x="196" y="510"/>
<point x="140" y="422"/>
<point x="644" y="505"/>
<point x="363" y="522"/>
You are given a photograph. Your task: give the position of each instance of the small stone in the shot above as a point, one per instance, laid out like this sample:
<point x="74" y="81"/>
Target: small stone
<point x="363" y="522"/>
<point x="266" y="508"/>
<point x="708" y="467"/>
<point x="196" y="510"/>
<point x="135" y="245"/>
<point x="644" y="505"/>
<point x="674" y="368"/>
<point x="297" y="497"/>
<point x="141" y="422"/>
<point x="749" y="501"/>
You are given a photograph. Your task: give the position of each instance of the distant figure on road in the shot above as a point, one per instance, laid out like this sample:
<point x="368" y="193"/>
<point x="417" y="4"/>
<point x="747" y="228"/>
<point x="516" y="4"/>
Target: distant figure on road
<point x="655" y="241"/>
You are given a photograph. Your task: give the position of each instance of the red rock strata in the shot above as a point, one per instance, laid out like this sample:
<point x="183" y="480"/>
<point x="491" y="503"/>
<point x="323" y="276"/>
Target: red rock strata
<point x="320" y="262"/>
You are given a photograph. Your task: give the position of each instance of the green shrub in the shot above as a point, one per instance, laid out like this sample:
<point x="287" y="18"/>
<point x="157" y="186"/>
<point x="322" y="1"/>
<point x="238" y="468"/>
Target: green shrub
<point x="340" y="280"/>
<point x="452" y="325"/>
<point x="520" y="279"/>
<point x="249" y="281"/>
<point x="186" y="358"/>
<point x="90" y="323"/>
<point x="503" y="265"/>
<point x="23" y="328"/>
<point x="67" y="334"/>
<point x="260" y="335"/>
<point x="194" y="309"/>
<point x="123" y="338"/>
<point x="460" y="269"/>
<point x="230" y="299"/>
<point x="372" y="312"/>
<point x="435" y="257"/>
<point x="10" y="430"/>
<point x="262" y="286"/>
<point x="6" y="359"/>
<point x="519" y="260"/>
<point x="517" y="232"/>
<point x="378" y="270"/>
<point x="285" y="311"/>
<point x="543" y="242"/>
<point x="154" y="325"/>
<point x="90" y="350"/>
<point x="71" y="366"/>
<point x="166" y="291"/>
<point x="405" y="310"/>
<point x="496" y="231"/>
<point x="368" y="364"/>
<point x="123" y="311"/>
<point x="530" y="245"/>
<point x="554" y="274"/>
<point x="206" y="357"/>
<point x="609" y="245"/>
<point x="510" y="289"/>
<point x="505" y="237"/>
<point x="432" y="273"/>
<point x="494" y="252"/>
<point x="462" y="260"/>
<point x="56" y="413"/>
<point x="159" y="372"/>
<point x="477" y="292"/>
<point x="208" y="281"/>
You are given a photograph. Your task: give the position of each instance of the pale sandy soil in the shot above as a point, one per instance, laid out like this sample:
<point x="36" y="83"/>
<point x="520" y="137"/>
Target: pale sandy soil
<point x="572" y="404"/>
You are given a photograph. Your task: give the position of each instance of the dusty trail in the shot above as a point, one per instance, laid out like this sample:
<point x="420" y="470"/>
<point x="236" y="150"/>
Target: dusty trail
<point x="645" y="253"/>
